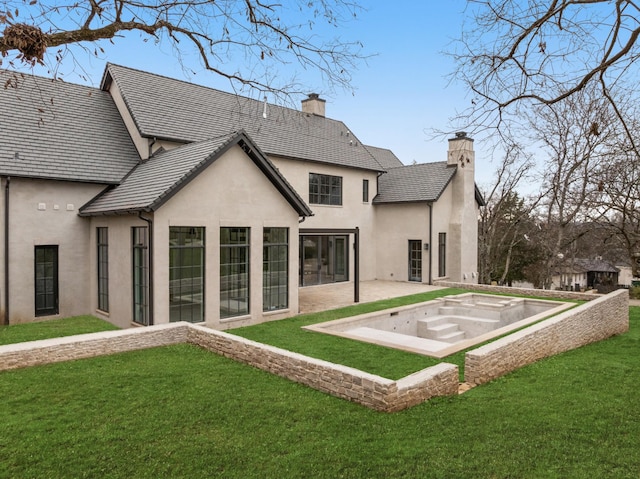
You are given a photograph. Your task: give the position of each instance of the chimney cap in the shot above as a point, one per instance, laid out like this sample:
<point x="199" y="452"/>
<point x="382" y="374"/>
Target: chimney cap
<point x="461" y="134"/>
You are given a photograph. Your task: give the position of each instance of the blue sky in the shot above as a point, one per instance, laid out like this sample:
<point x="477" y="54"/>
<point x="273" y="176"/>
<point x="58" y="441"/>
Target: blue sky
<point x="401" y="93"/>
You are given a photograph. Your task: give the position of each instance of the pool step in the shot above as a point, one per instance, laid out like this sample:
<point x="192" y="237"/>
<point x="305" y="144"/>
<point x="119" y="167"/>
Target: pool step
<point x="448" y="332"/>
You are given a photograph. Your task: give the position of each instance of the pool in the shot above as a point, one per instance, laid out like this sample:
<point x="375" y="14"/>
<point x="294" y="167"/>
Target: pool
<point x="445" y="325"/>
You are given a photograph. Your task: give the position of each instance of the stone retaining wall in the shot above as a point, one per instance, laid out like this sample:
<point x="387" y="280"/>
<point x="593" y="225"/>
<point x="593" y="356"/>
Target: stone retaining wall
<point x="35" y="353"/>
<point x="603" y="317"/>
<point x="372" y="391"/>
<point x="540" y="293"/>
<point x="599" y="319"/>
<point x="348" y="383"/>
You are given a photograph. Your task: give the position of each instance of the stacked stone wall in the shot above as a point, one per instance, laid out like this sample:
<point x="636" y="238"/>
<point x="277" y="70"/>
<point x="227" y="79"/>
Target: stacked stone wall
<point x="540" y="293"/>
<point x="599" y="319"/>
<point x="372" y="391"/>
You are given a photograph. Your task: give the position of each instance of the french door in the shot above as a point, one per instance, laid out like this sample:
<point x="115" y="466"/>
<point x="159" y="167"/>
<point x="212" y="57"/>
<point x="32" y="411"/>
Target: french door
<point x="324" y="259"/>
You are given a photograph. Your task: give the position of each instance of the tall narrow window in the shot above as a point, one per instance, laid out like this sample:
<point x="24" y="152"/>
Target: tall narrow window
<point x="186" y="274"/>
<point x="140" y="253"/>
<point x="365" y="191"/>
<point x="275" y="269"/>
<point x="234" y="272"/>
<point x="102" y="238"/>
<point x="442" y="254"/>
<point x="325" y="189"/>
<point x="46" y="280"/>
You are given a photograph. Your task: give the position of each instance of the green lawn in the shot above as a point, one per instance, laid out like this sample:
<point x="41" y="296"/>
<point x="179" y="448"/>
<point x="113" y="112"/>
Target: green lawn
<point x="181" y="411"/>
<point x="53" y="329"/>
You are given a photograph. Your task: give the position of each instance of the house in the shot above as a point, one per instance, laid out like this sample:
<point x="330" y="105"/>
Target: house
<point x="585" y="273"/>
<point x="151" y="200"/>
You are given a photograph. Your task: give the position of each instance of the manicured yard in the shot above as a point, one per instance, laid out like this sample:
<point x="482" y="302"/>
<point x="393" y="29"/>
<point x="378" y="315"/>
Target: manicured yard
<point x="183" y="412"/>
<point x="53" y="329"/>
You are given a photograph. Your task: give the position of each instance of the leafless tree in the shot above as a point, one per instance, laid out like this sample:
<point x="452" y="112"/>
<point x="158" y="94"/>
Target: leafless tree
<point x="504" y="220"/>
<point x="242" y="40"/>
<point x="575" y="136"/>
<point x="616" y="204"/>
<point x="516" y="55"/>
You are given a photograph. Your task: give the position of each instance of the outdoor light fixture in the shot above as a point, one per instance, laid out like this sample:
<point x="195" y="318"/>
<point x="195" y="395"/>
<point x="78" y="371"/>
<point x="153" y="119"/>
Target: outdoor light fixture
<point x="426" y="246"/>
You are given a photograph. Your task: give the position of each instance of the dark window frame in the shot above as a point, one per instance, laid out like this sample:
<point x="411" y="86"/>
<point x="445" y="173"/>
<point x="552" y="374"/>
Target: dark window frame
<point x="187" y="291"/>
<point x="46" y="281"/>
<point x="325" y="189"/>
<point x="102" y="259"/>
<point x="140" y="274"/>
<point x="275" y="269"/>
<point x="365" y="191"/>
<point x="235" y="271"/>
<point x="442" y="255"/>
<point x="415" y="260"/>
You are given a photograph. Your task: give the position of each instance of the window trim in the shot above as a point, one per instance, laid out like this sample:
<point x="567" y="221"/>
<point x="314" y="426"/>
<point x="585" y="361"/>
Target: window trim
<point x="442" y="255"/>
<point x="143" y="269"/>
<point x="267" y="261"/>
<point x="102" y="267"/>
<point x="246" y="247"/>
<point x="365" y="190"/>
<point x="178" y="250"/>
<point x="325" y="189"/>
<point x="55" y="309"/>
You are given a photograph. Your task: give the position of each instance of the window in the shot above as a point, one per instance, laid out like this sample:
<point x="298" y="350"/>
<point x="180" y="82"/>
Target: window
<point x="325" y="189"/>
<point x="186" y="274"/>
<point x="275" y="269"/>
<point x="140" y="253"/>
<point x="442" y="254"/>
<point x="46" y="280"/>
<point x="234" y="272"/>
<point x="102" y="239"/>
<point x="365" y="191"/>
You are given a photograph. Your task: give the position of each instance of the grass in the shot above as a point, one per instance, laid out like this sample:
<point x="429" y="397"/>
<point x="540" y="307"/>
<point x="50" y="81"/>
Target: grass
<point x="53" y="329"/>
<point x="386" y="362"/>
<point x="383" y="361"/>
<point x="180" y="411"/>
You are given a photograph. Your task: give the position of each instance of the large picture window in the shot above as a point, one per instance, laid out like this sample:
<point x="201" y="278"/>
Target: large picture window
<point x="46" y="280"/>
<point x="234" y="272"/>
<point x="102" y="239"/>
<point x="186" y="274"/>
<point x="140" y="253"/>
<point x="275" y="269"/>
<point x="325" y="189"/>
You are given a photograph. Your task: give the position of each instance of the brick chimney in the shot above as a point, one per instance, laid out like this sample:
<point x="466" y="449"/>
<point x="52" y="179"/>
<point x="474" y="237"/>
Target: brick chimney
<point x="313" y="105"/>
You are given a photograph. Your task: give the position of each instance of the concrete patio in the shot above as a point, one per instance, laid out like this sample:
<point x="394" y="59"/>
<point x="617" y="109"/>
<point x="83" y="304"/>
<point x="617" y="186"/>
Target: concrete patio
<point x="337" y="295"/>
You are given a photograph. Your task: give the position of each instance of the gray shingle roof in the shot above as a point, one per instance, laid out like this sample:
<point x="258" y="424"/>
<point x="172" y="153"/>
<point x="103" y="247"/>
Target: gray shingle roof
<point x="176" y="110"/>
<point x="156" y="180"/>
<point x="413" y="183"/>
<point x="385" y="157"/>
<point x="62" y="131"/>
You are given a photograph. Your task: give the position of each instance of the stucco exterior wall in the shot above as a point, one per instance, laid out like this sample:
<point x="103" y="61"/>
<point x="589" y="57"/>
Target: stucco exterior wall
<point x="230" y="192"/>
<point x="120" y="268"/>
<point x="141" y="144"/>
<point x="396" y="224"/>
<point x="43" y="212"/>
<point x="463" y="236"/>
<point x="353" y="211"/>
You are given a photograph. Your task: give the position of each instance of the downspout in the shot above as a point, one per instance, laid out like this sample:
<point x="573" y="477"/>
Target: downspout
<point x="149" y="222"/>
<point x="430" y="205"/>
<point x="6" y="251"/>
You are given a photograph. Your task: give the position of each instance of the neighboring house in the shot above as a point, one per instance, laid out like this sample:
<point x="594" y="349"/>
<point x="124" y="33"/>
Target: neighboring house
<point x="587" y="273"/>
<point x="151" y="200"/>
